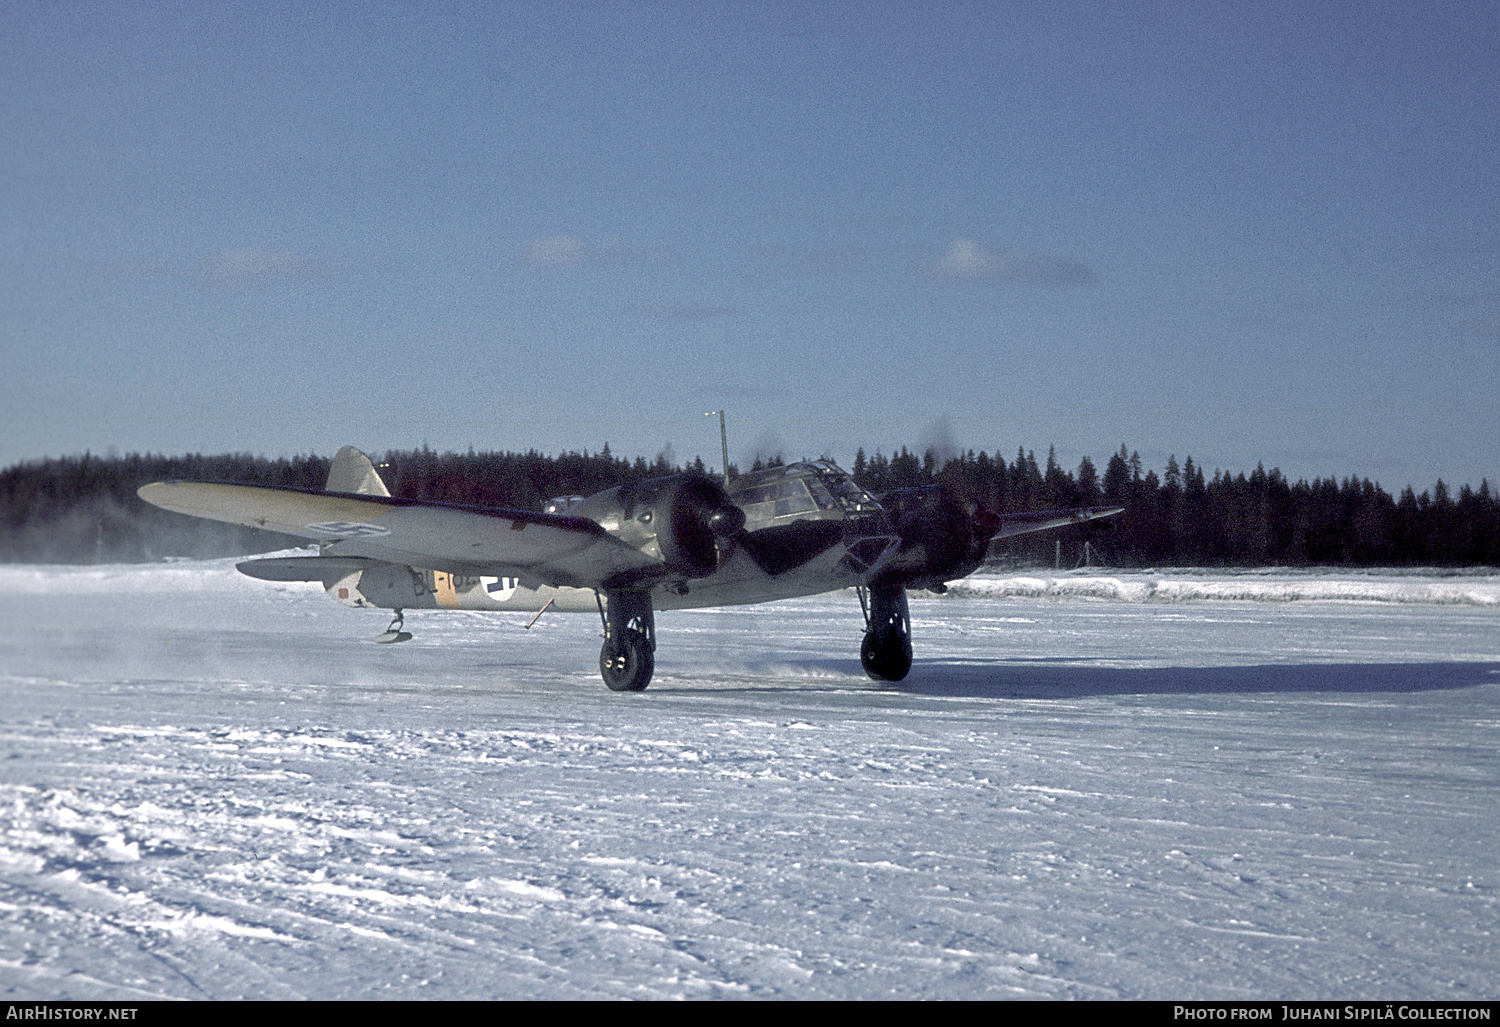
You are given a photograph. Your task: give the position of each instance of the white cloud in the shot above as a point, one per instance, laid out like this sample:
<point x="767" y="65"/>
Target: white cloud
<point x="572" y="250"/>
<point x="251" y="265"/>
<point x="558" y="251"/>
<point x="814" y="259"/>
<point x="967" y="261"/>
<point x="1487" y="326"/>
<point x="681" y="312"/>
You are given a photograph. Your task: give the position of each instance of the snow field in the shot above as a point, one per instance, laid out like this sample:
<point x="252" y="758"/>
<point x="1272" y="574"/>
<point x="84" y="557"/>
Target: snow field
<point x="212" y="786"/>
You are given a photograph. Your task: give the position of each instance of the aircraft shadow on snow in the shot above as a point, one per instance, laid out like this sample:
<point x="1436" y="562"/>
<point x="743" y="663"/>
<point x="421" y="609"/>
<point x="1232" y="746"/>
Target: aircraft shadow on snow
<point x="1045" y="678"/>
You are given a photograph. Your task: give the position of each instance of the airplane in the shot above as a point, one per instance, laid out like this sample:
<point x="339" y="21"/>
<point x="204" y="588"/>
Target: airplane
<point x="678" y="542"/>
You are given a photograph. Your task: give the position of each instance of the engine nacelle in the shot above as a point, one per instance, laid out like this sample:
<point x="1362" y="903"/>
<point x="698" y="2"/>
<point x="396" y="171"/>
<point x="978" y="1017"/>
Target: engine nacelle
<point x="943" y="536"/>
<point x="679" y="519"/>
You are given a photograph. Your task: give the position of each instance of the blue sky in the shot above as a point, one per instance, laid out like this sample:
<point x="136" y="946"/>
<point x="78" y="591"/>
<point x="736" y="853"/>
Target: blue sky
<point x="1249" y="232"/>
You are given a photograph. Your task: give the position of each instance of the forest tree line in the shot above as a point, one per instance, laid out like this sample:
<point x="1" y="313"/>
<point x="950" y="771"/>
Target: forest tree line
<point x="1185" y="518"/>
<point x="84" y="509"/>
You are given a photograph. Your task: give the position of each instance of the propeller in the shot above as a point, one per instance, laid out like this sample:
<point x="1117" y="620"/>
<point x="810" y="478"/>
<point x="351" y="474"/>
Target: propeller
<point x="944" y="534"/>
<point x="697" y="513"/>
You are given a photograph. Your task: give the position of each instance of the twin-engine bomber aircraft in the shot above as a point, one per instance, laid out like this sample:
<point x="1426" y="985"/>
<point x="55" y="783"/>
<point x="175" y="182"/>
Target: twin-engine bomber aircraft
<point x="668" y="543"/>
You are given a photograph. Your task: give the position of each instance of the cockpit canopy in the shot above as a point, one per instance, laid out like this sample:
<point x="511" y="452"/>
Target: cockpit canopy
<point x="810" y="490"/>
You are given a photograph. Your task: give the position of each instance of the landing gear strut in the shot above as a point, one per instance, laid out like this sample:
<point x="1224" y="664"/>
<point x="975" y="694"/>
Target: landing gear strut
<point x="886" y="650"/>
<point x="394" y="632"/>
<point x="628" y="656"/>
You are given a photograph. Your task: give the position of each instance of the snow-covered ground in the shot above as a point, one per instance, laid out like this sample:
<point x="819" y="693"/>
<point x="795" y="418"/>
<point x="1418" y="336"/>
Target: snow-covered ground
<point x="1163" y="785"/>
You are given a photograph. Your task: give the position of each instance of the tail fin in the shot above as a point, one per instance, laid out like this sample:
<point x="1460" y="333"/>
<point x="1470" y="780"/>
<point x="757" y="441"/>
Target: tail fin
<point x="352" y="471"/>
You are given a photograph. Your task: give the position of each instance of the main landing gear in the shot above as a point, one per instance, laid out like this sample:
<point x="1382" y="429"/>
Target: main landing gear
<point x="628" y="656"/>
<point x="886" y="650"/>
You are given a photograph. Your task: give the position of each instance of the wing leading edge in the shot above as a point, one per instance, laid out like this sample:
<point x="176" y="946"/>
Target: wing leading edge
<point x="1041" y="520"/>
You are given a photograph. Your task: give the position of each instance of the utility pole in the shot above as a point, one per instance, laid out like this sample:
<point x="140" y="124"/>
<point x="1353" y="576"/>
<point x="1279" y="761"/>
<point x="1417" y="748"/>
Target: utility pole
<point x="723" y="442"/>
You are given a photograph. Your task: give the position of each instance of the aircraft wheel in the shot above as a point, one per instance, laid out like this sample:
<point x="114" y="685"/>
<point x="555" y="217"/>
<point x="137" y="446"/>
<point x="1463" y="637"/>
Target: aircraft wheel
<point x="628" y="670"/>
<point x="888" y="659"/>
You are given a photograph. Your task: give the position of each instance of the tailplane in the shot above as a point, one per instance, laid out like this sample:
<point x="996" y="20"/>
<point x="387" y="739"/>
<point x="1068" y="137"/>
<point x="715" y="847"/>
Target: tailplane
<point x="352" y="471"/>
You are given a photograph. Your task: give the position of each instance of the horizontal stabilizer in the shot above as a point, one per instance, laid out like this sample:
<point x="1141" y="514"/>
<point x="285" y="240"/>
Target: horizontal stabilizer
<point x="326" y="569"/>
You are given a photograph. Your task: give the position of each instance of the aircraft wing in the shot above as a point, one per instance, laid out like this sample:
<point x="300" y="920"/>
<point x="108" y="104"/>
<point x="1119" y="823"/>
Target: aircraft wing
<point x="551" y="548"/>
<point x="1041" y="520"/>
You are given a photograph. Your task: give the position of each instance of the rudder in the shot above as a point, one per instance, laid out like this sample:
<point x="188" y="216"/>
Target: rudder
<point x="352" y="471"/>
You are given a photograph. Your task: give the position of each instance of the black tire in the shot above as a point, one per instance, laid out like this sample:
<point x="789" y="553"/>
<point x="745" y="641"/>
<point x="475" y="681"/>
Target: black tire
<point x="630" y="669"/>
<point x="888" y="660"/>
